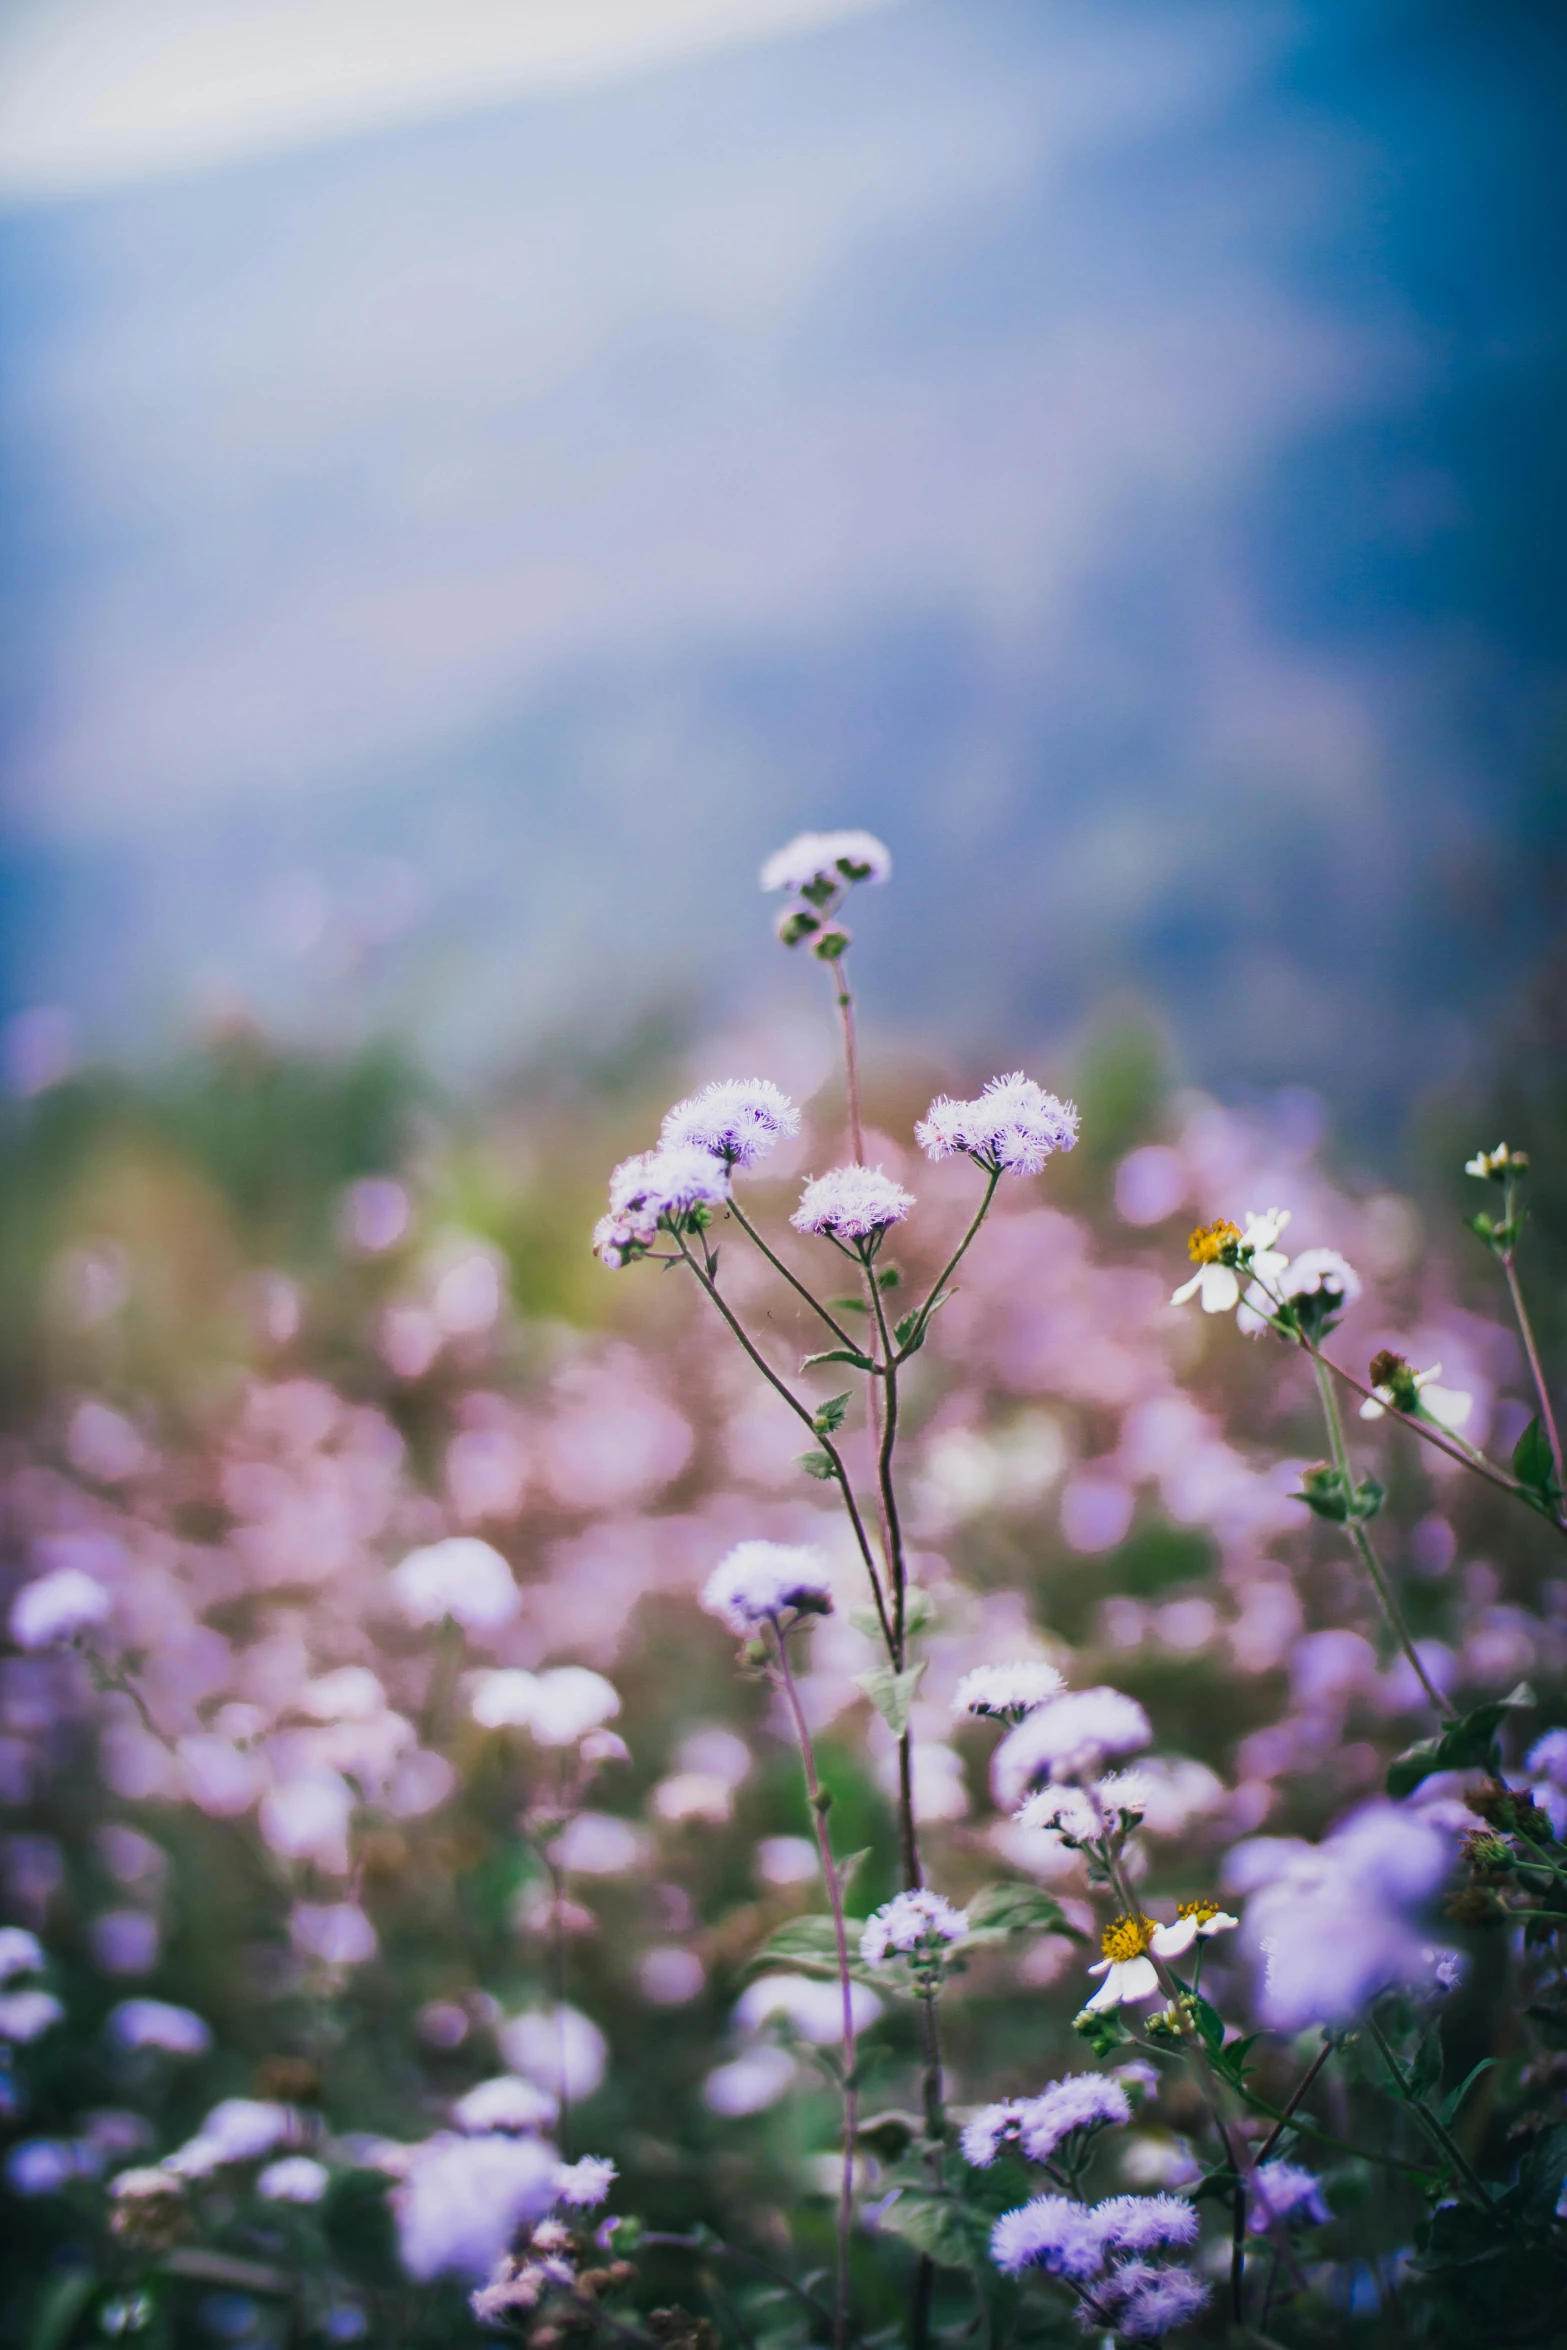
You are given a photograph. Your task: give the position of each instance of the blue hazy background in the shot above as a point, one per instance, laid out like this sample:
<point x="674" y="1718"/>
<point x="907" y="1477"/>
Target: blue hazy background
<point x="1114" y="451"/>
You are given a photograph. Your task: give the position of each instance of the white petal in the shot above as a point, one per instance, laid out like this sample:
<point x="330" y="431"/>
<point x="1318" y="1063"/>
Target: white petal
<point x="1220" y="1289"/>
<point x="1448" y="1405"/>
<point x="1103" y="1967"/>
<point x="1220" y="1923"/>
<point x="1139" y="1980"/>
<point x="1371" y="1409"/>
<point x="1174" y="1941"/>
<point x="1108" y="1993"/>
<point x="1187" y="1289"/>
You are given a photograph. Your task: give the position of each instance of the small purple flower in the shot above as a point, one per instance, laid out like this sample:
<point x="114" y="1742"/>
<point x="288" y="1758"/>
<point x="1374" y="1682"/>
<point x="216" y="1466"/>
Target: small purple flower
<point x="655" y="1187"/>
<point x="757" y="1582"/>
<point x="1053" y="2233"/>
<point x="1083" y="2101"/>
<point x="850" y="1203"/>
<point x="1072" y="1737"/>
<point x="1142" y="2223"/>
<point x="1285" y="2190"/>
<point x="1145" y="2301"/>
<point x="822" y="860"/>
<point x="994" y="2126"/>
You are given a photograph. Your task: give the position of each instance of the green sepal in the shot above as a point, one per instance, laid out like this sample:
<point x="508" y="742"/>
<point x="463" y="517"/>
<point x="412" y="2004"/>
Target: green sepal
<point x="828" y="1417"/>
<point x="816" y="1464"/>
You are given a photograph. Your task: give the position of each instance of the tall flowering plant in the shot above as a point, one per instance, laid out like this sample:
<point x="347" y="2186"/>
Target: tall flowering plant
<point x="364" y="1977"/>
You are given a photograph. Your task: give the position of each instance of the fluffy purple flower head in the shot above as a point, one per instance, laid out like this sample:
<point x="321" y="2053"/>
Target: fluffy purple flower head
<point x="994" y="2126"/>
<point x="1053" y="2233"/>
<point x="826" y="860"/>
<point x="1006" y="1693"/>
<point x="736" y="1119"/>
<point x="584" y="2183"/>
<point x="911" y="1923"/>
<point x="1141" y="2223"/>
<point x="1285" y="2190"/>
<point x="1071" y="1738"/>
<point x="757" y="1582"/>
<point x="653" y="1186"/>
<point x="850" y="1203"/>
<point x="1146" y="2302"/>
<point x="1013" y="1127"/>
<point x="1083" y="2101"/>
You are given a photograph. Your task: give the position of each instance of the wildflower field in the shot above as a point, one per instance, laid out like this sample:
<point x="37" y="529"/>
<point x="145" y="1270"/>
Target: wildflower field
<point x="944" y="1725"/>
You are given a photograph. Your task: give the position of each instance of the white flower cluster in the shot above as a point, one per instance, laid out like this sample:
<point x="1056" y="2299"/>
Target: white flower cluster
<point x="826" y="862"/>
<point x="1013" y="1127"/>
<point x="1068" y="1739"/>
<point x="1005" y="1693"/>
<point x="851" y="1203"/>
<point x="732" y="1123"/>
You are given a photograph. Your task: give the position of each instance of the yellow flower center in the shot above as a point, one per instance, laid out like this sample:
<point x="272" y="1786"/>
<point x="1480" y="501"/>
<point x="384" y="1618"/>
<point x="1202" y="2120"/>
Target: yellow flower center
<point x="1127" y="1938"/>
<point x="1202" y="1910"/>
<point x="1209" y="1242"/>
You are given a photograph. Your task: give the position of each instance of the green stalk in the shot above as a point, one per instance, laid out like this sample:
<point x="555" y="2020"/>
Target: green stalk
<point x="1362" y="1540"/>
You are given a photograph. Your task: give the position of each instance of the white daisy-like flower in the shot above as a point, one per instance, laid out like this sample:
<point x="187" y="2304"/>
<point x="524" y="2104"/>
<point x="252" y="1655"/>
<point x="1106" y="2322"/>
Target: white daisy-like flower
<point x="1217" y="1249"/>
<point x="1005" y="1693"/>
<point x="1193" y="1919"/>
<point x="1492" y="1166"/>
<point x="1450" y="1407"/>
<point x="850" y="1203"/>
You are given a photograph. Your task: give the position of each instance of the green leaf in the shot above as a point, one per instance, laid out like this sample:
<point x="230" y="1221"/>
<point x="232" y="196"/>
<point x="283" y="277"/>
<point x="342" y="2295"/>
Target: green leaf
<point x="889" y="1277"/>
<point x="1533" y="1466"/>
<point x="919" y="1609"/>
<point x="1231" y="2059"/>
<point x="827" y="1418"/>
<point x="1426" y="2070"/>
<point x="1209" y="2022"/>
<point x="997" y="1911"/>
<point x="891" y="1693"/>
<point x="1447" y="2111"/>
<point x="816" y="1464"/>
<point x="1465" y="1745"/>
<point x="940" y="2226"/>
<point x="838" y="1354"/>
<point x="1367" y="1499"/>
<point x="920" y="1320"/>
<point x="866" y="1621"/>
<point x="807" y="1946"/>
<point x="889" y="2135"/>
<point x="849" y="1868"/>
<point x="60" y="2309"/>
<point x="848" y="1305"/>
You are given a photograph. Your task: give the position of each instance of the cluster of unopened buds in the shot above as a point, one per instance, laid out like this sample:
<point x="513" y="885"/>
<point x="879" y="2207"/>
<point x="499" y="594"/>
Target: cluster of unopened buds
<point x="552" y="2286"/>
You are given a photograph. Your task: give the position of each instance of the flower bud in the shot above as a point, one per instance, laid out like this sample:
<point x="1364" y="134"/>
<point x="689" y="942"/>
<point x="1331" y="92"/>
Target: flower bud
<point x="795" y="923"/>
<point x="833" y="942"/>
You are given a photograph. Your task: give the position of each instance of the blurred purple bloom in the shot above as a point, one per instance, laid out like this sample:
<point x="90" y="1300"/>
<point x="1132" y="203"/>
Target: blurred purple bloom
<point x="57" y="1607"/>
<point x="1141" y="2223"/>
<point x="1285" y="2190"/>
<point x="757" y="1582"/>
<point x="153" y="2023"/>
<point x="1072" y="1737"/>
<point x="1334" y="1922"/>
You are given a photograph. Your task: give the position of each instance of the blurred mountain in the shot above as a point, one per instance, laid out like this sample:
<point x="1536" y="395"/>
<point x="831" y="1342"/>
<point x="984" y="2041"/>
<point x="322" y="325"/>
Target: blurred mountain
<point x="1113" y="450"/>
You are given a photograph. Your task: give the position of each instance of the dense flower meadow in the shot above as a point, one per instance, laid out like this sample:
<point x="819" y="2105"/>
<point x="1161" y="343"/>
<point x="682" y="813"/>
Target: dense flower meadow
<point x="961" y="1740"/>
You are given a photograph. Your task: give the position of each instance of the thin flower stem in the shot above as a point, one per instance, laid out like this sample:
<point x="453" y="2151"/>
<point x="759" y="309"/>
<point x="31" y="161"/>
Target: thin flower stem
<point x="923" y="1313"/>
<point x="715" y="2247"/>
<point x="1536" y="1369"/>
<point x="1464" y="1454"/>
<point x="1362" y="1542"/>
<point x="801" y="1412"/>
<point x="1436" y="2130"/>
<point x="897" y="1568"/>
<point x="778" y="1265"/>
<point x="818" y="1806"/>
<point x="1240" y="2164"/>
<point x="838" y="973"/>
<point x="1297" y="2093"/>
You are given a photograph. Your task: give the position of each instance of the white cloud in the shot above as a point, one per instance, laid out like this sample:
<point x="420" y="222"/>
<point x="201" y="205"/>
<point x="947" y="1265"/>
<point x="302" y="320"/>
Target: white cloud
<point x="97" y="92"/>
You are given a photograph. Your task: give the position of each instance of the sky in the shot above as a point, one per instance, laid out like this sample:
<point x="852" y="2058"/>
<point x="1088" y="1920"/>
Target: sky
<point x="1106" y="448"/>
